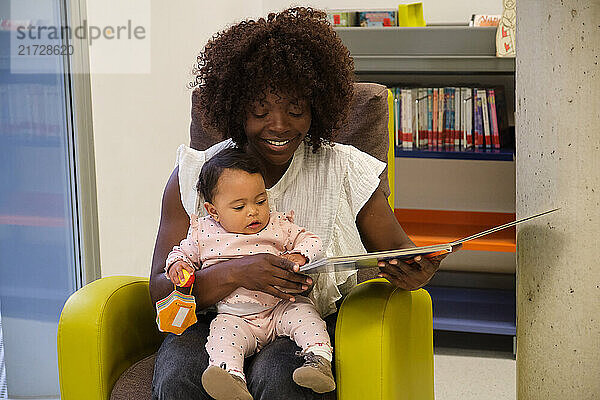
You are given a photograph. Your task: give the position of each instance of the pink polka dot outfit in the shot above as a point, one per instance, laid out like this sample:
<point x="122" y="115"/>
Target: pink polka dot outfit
<point x="247" y="319"/>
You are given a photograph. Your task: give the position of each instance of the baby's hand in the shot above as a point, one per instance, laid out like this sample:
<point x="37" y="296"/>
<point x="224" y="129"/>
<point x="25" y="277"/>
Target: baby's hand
<point x="295" y="257"/>
<point x="176" y="272"/>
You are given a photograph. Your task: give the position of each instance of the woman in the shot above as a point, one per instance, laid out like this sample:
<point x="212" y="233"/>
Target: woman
<point x="278" y="88"/>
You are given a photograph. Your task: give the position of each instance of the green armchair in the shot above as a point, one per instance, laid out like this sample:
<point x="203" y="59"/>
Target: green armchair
<point x="107" y="334"/>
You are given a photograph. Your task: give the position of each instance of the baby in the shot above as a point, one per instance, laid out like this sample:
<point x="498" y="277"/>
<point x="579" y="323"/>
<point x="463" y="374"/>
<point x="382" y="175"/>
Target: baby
<point x="240" y="223"/>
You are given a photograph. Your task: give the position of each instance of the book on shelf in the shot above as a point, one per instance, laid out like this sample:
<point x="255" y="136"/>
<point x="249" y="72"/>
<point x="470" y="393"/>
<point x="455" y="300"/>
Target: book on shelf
<point x="493" y="119"/>
<point x="342" y="17"/>
<point x="485" y="20"/>
<point x="440" y="141"/>
<point x="443" y="99"/>
<point x="439" y="137"/>
<point x="467" y="100"/>
<point x="407" y="119"/>
<point x="378" y="18"/>
<point x="397" y="128"/>
<point x="364" y="18"/>
<point x="434" y="119"/>
<point x="451" y="117"/>
<point x="457" y="117"/>
<point x="446" y="118"/>
<point x="481" y="93"/>
<point x="370" y="260"/>
<point x="421" y="117"/>
<point x="430" y="117"/>
<point x="478" y="120"/>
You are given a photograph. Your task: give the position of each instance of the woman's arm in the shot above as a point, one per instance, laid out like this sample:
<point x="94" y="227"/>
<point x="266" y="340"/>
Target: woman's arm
<point x="379" y="231"/>
<point x="260" y="272"/>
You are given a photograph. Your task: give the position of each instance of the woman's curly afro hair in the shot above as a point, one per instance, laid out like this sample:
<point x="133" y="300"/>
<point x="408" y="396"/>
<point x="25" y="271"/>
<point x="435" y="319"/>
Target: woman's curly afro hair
<point x="294" y="52"/>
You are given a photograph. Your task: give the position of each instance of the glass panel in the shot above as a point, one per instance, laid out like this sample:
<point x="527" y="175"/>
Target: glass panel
<point x="38" y="240"/>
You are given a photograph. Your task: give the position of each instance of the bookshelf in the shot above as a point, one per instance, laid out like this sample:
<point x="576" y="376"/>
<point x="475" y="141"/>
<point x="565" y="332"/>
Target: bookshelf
<point x="481" y="300"/>
<point x="431" y="50"/>
<point x="477" y="154"/>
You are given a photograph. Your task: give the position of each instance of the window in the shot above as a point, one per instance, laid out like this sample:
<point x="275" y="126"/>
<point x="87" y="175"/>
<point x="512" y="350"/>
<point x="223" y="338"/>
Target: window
<point x="47" y="197"/>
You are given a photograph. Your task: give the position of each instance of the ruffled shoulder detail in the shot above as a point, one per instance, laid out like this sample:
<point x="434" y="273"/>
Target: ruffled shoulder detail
<point x="190" y="162"/>
<point x="362" y="177"/>
<point x="194" y="221"/>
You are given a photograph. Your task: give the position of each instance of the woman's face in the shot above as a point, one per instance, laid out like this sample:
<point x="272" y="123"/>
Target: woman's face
<point x="276" y="126"/>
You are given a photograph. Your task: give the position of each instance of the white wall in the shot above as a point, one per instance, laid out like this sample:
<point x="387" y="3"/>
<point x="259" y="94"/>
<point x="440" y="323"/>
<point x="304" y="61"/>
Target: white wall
<point x="140" y="119"/>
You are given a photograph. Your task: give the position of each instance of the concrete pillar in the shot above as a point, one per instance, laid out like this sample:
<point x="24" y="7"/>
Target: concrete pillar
<point x="558" y="165"/>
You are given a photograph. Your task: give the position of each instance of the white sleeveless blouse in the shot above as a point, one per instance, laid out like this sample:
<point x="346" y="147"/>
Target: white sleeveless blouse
<point x="325" y="189"/>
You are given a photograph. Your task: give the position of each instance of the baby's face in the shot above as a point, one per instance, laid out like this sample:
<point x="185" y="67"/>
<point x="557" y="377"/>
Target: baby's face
<point x="241" y="202"/>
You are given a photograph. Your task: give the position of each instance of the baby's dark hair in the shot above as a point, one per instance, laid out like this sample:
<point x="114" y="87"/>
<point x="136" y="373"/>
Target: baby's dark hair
<point x="230" y="158"/>
<point x="295" y="52"/>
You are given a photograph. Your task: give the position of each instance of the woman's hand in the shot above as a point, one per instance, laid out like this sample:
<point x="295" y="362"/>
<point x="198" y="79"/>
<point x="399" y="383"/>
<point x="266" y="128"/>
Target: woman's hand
<point x="271" y="274"/>
<point x="380" y="231"/>
<point x="414" y="273"/>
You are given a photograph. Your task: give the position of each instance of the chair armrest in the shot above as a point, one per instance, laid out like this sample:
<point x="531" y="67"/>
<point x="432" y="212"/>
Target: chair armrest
<point x="104" y="328"/>
<point x="384" y="343"/>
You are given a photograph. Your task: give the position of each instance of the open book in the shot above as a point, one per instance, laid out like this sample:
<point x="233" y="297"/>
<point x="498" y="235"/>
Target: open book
<point x="369" y="260"/>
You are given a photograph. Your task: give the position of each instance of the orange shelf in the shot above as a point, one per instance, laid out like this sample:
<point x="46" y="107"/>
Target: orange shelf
<point x="428" y="227"/>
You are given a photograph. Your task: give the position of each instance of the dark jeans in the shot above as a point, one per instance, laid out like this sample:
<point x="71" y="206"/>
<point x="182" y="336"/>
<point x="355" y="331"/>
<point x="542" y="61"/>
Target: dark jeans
<point x="181" y="360"/>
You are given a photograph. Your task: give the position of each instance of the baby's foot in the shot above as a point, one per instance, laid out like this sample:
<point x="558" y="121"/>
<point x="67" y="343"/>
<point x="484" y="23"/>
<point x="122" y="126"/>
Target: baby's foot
<point x="221" y="385"/>
<point x="315" y="374"/>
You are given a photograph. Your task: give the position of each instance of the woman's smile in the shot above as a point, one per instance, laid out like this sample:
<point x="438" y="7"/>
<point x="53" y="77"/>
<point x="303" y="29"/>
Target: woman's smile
<point x="277" y="143"/>
<point x="281" y="145"/>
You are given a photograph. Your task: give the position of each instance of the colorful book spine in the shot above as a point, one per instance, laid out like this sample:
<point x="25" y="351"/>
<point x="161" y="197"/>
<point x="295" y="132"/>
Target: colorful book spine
<point x="407" y="137"/>
<point x="452" y="139"/>
<point x="414" y="117"/>
<point x="403" y="117"/>
<point x="485" y="118"/>
<point x="493" y="119"/>
<point x="468" y="118"/>
<point x="457" y="118"/>
<point x="417" y="118"/>
<point x="423" y="117"/>
<point x="430" y="143"/>
<point x="440" y="118"/>
<point x="448" y="140"/>
<point x="477" y="132"/>
<point x="397" y="117"/>
<point x="434" y="118"/>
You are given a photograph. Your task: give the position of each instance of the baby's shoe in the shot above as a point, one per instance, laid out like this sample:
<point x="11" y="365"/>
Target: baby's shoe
<point x="315" y="373"/>
<point x="221" y="385"/>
